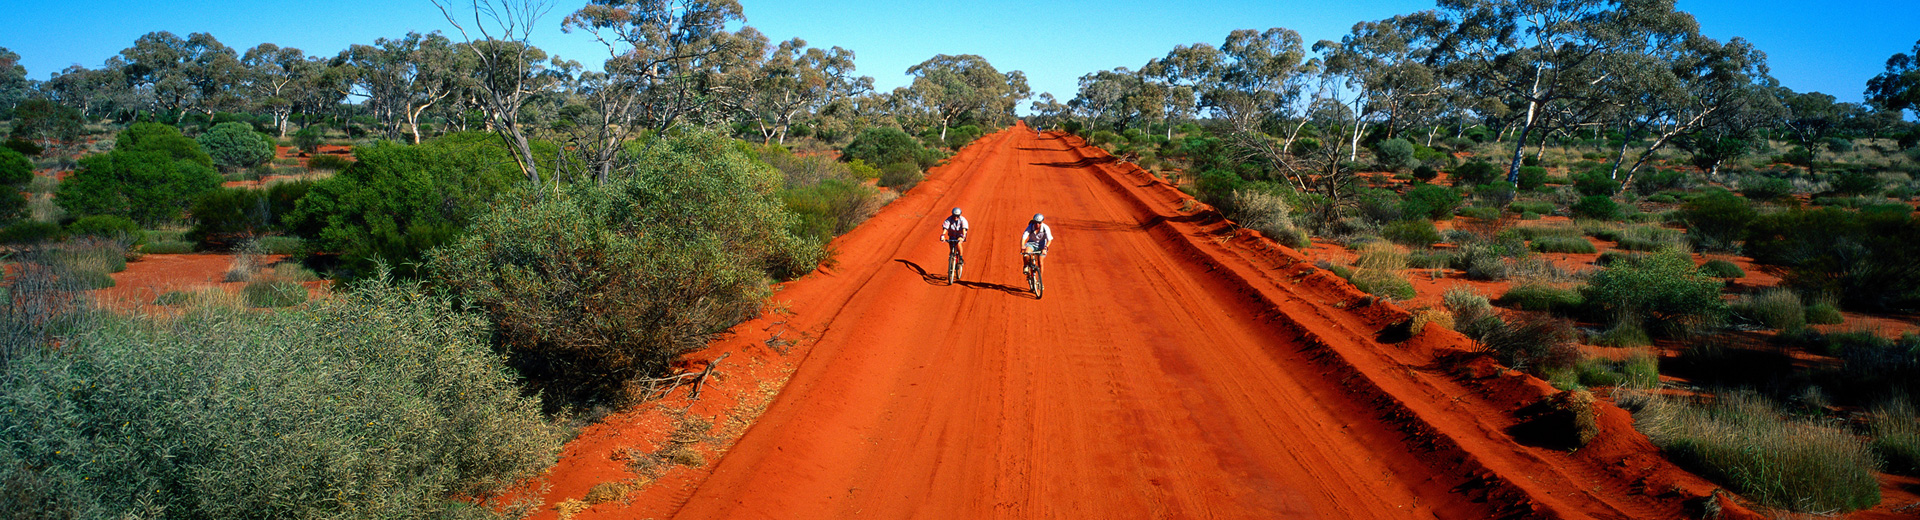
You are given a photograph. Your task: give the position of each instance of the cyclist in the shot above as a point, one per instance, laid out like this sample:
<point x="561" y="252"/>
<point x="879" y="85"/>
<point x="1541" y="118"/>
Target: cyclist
<point x="954" y="232"/>
<point x="1034" y="242"/>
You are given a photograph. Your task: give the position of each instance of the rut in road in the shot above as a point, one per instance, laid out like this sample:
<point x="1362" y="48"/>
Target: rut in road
<point x="1162" y="376"/>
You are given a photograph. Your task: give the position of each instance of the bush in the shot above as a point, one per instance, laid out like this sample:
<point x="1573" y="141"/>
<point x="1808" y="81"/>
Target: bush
<point x="1777" y="309"/>
<point x="1533" y="342"/>
<point x="1475" y="173"/>
<point x="888" y="145"/>
<point x="152" y="176"/>
<point x="1656" y="181"/>
<point x="830" y="208"/>
<point x="399" y="201"/>
<point x="266" y="293"/>
<point x="327" y="161"/>
<point x="1642" y="370"/>
<point x="1824" y="314"/>
<point x="1717" y="220"/>
<point x="1532" y="177"/>
<point x="901" y="176"/>
<point x="1430" y="202"/>
<point x="225" y="217"/>
<point x="1651" y="238"/>
<point x="1411" y="233"/>
<point x="594" y="285"/>
<point x="1896" y="435"/>
<point x="381" y="403"/>
<point x="15" y="168"/>
<point x="1543" y="208"/>
<point x="1541" y="297"/>
<point x="1596" y="183"/>
<point x="30" y="232"/>
<point x="22" y="146"/>
<point x="308" y="140"/>
<point x="1722" y="269"/>
<point x="1741" y="442"/>
<point x="960" y="136"/>
<point x="167" y="247"/>
<point x="1768" y="189"/>
<point x="1270" y="214"/>
<point x="1664" y="289"/>
<point x="108" y="227"/>
<point x="235" y="146"/>
<point x="1576" y="245"/>
<point x="1599" y="207"/>
<point x="1425" y="173"/>
<point x="1865" y="259"/>
<point x="1395" y="153"/>
<point x="1378" y="271"/>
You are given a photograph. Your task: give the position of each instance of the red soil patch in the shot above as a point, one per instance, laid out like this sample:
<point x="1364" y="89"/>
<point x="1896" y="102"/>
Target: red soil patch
<point x="289" y="152"/>
<point x="1177" y="368"/>
<point x="153" y="275"/>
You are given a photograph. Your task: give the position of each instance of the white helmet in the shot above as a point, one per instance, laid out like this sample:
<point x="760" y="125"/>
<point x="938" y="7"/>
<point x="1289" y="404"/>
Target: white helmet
<point x="956" y="211"/>
<point x="1039" y="218"/>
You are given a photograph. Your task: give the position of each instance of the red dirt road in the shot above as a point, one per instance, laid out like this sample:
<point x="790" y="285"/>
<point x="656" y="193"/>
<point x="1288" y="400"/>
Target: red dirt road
<point x="1177" y="368"/>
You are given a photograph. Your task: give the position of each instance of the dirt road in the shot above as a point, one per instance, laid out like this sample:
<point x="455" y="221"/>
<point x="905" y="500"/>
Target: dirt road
<point x="1177" y="368"/>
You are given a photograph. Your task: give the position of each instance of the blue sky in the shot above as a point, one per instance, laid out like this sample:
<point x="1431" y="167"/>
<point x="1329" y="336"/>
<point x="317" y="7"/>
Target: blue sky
<point x="1831" y="47"/>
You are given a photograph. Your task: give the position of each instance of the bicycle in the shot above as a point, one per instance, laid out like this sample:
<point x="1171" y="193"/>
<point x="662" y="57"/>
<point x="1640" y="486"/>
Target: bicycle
<point x="1032" y="269"/>
<point x="954" y="261"/>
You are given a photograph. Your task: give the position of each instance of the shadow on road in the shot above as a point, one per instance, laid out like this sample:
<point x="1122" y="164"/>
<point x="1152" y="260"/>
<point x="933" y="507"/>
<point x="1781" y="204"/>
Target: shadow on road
<point x="1090" y="161"/>
<point x="941" y="279"/>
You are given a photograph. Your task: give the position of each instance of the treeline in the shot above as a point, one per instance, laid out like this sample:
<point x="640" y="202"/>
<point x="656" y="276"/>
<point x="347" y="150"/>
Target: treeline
<point x="515" y="241"/>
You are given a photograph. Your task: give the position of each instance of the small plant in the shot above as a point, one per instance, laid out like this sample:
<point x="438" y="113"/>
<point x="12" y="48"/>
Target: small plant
<point x="1625" y="332"/>
<point x="1722" y="269"/>
<point x="900" y="176"/>
<point x="167" y="247"/>
<point x="1742" y="442"/>
<point x="1411" y="233"/>
<point x="1430" y="202"/>
<point x="1642" y="370"/>
<point x="1479" y="213"/>
<point x="1541" y="297"/>
<point x="1896" y="435"/>
<point x="1665" y="289"/>
<point x="173" y="298"/>
<point x="1475" y="173"/>
<point x="1598" y="207"/>
<point x="1577" y="245"/>
<point x="1540" y="207"/>
<point x="273" y="292"/>
<point x="328" y="162"/>
<point x="1378" y="271"/>
<point x="1824" y="313"/>
<point x="1532" y="177"/>
<point x="1777" y="309"/>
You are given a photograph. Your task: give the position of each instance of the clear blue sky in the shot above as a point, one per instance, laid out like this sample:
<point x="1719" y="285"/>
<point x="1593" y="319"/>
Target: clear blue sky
<point x="1830" y="46"/>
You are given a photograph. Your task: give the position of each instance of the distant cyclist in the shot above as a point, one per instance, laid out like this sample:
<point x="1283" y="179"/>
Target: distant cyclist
<point x="954" y="233"/>
<point x="1034" y="242"/>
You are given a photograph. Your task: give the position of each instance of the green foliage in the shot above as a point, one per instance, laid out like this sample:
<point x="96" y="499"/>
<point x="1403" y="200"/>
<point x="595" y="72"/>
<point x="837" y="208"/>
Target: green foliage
<point x="1742" y="442"/>
<point x="1430" y="202"/>
<point x="1717" y="220"/>
<point x="1596" y="183"/>
<point x="1642" y="370"/>
<point x="30" y="232"/>
<point x="327" y="161"/>
<point x="1411" y="233"/>
<point x="167" y="247"/>
<point x="266" y="293"/>
<point x="1378" y="271"/>
<point x="1896" y="435"/>
<point x="155" y="137"/>
<point x="592" y="285"/>
<point x="1767" y="189"/>
<point x="1541" y="297"/>
<point x="15" y="168"/>
<point x="1475" y="173"/>
<point x="1537" y="207"/>
<point x="1824" y="314"/>
<point x="22" y="146"/>
<point x="1425" y="173"/>
<point x="1267" y="211"/>
<point x="1777" y="309"/>
<point x="1865" y="258"/>
<point x="901" y="176"/>
<point x="830" y="208"/>
<point x="1663" y="289"/>
<point x="399" y="201"/>
<point x="1479" y="213"/>
<point x="149" y="182"/>
<point x="108" y="227"/>
<point x="1722" y="269"/>
<point x="235" y="145"/>
<point x="380" y="403"/>
<point x="225" y="217"/>
<point x="1650" y="238"/>
<point x="888" y="145"/>
<point x="960" y="136"/>
<point x="1532" y="177"/>
<point x="1659" y="180"/>
<point x="1599" y="207"/>
<point x="1395" y="153"/>
<point x="13" y="206"/>
<point x="1577" y="245"/>
<point x="1856" y="183"/>
<point x="308" y="140"/>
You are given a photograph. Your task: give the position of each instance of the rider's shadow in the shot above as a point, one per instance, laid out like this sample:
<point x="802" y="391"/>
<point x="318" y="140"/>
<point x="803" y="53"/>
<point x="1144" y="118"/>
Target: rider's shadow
<point x="941" y="279"/>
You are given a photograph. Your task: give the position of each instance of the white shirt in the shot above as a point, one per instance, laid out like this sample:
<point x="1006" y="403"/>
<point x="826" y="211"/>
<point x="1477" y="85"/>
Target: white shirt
<point x="1038" y="235"/>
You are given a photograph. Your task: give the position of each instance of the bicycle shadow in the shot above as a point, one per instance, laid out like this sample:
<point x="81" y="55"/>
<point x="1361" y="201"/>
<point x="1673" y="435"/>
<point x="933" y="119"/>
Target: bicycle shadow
<point x="941" y="279"/>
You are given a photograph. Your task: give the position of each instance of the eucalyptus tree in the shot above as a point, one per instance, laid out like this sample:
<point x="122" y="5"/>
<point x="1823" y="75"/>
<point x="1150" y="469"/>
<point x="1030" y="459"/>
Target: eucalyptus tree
<point x="94" y="92"/>
<point x="404" y="77"/>
<point x="14" y="85"/>
<point x="276" y="75"/>
<point x="157" y="65"/>
<point x="1689" y="86"/>
<point x="1108" y="98"/>
<point x="1899" y="87"/>
<point x="507" y="70"/>
<point x="952" y="86"/>
<point x="1048" y="111"/>
<point x="1185" y="71"/>
<point x="795" y="80"/>
<point x="1384" y="65"/>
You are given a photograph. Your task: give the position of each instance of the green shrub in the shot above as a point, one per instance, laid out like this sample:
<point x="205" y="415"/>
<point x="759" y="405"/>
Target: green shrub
<point x="308" y="140"/>
<point x="1532" y="177"/>
<point x="266" y="293"/>
<point x="280" y="245"/>
<point x="1717" y="220"/>
<point x="1598" y="372"/>
<point x="1430" y="202"/>
<point x="399" y="201"/>
<point x="30" y="232"/>
<point x="1895" y="428"/>
<point x="661" y="260"/>
<point x="1865" y="259"/>
<point x="1425" y="173"/>
<point x="1411" y="233"/>
<point x="1856" y="183"/>
<point x="901" y="176"/>
<point x="1479" y="213"/>
<point x="1650" y="238"/>
<point x="1540" y="297"/>
<point x="1722" y="269"/>
<point x="171" y="298"/>
<point x="108" y="227"/>
<point x="1664" y="289"/>
<point x="830" y="208"/>
<point x="1529" y="216"/>
<point x="1598" y="207"/>
<point x="1541" y="207"/>
<point x="1655" y="181"/>
<point x="167" y="247"/>
<point x="1642" y="370"/>
<point x="15" y="168"/>
<point x="1663" y="198"/>
<point x="1534" y="342"/>
<point x="22" y="146"/>
<point x="152" y="176"/>
<point x="1596" y="184"/>
<point x="235" y="146"/>
<point x="960" y="136"/>
<point x="1624" y="333"/>
<point x="1741" y="442"/>
<point x="1395" y="154"/>
<point x="1578" y="245"/>
<point x="1824" y="314"/>
<point x="1378" y="271"/>
<point x="1270" y="214"/>
<point x="888" y="145"/>
<point x="1768" y="189"/>
<point x="1777" y="309"/>
<point x="89" y="280"/>
<point x="1475" y="173"/>
<point x="380" y="404"/>
<point x="327" y="161"/>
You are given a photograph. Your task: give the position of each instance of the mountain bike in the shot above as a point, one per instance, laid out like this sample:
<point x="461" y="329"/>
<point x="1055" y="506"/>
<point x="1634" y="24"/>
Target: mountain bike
<point x="1031" y="266"/>
<point x="954" y="262"/>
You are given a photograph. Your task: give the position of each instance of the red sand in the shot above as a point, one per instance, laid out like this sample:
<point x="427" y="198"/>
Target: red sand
<point x="153" y="275"/>
<point x="1176" y="369"/>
